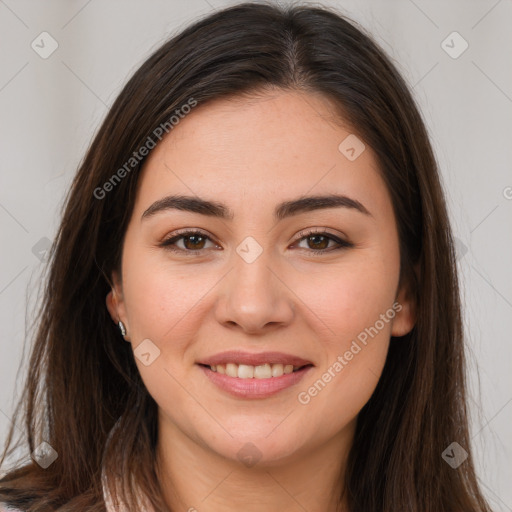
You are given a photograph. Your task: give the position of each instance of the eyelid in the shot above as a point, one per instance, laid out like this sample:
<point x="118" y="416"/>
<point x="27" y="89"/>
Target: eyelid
<point x="317" y="231"/>
<point x="188" y="231"/>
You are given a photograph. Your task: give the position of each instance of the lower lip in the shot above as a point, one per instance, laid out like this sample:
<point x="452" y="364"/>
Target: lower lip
<point x="254" y="388"/>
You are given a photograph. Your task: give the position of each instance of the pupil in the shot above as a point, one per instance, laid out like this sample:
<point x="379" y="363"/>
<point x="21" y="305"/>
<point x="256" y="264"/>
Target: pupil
<point x="194" y="237"/>
<point x="313" y="237"/>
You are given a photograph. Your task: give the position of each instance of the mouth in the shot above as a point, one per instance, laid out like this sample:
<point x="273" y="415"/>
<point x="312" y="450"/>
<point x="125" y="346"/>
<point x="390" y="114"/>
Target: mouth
<point x="246" y="375"/>
<point x="247" y="371"/>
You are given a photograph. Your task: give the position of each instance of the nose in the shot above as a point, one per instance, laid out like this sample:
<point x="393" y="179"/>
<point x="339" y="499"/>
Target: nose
<point x="254" y="297"/>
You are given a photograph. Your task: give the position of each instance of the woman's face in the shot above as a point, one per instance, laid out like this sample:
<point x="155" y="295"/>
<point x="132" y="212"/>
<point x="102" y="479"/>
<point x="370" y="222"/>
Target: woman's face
<point x="253" y="289"/>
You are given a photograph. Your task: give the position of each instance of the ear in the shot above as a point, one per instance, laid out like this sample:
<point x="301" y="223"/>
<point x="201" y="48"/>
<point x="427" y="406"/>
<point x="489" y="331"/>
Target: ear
<point x="115" y="303"/>
<point x="406" y="309"/>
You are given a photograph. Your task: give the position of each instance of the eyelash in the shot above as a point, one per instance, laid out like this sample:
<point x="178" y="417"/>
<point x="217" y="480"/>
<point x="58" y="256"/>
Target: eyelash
<point x="169" y="242"/>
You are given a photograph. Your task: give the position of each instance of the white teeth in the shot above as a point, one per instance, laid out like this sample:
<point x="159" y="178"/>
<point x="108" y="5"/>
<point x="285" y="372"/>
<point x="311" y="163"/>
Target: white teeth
<point x="262" y="371"/>
<point x="277" y="370"/>
<point x="247" y="371"/>
<point x="231" y="370"/>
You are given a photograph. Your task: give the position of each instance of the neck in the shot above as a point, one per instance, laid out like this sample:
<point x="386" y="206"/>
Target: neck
<point x="196" y="479"/>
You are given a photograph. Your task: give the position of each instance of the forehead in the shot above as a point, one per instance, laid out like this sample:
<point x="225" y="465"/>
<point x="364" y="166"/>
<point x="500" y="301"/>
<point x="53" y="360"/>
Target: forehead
<point x="280" y="144"/>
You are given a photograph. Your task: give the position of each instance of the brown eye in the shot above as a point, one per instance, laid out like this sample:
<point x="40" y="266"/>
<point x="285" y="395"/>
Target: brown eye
<point x="193" y="241"/>
<point x="318" y="242"/>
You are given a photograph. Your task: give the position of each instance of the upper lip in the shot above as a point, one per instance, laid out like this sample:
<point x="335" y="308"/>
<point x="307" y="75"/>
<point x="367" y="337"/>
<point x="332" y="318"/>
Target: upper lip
<point x="239" y="357"/>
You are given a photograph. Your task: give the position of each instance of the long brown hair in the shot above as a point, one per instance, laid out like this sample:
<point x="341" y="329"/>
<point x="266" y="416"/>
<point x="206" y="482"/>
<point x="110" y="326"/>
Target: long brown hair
<point x="82" y="378"/>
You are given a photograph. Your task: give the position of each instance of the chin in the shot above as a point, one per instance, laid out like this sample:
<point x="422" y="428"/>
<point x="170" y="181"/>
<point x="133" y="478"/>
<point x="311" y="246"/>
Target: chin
<point x="259" y="450"/>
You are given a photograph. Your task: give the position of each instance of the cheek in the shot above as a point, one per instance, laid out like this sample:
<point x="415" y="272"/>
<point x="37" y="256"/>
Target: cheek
<point x="356" y="313"/>
<point x="160" y="298"/>
<point x="352" y="363"/>
<point x="163" y="304"/>
<point x="351" y="296"/>
<point x="356" y="303"/>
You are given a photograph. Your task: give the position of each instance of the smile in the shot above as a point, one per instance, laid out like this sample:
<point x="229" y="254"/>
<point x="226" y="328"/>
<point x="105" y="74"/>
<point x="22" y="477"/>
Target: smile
<point x="254" y="375"/>
<point x="260" y="381"/>
<point x="247" y="371"/>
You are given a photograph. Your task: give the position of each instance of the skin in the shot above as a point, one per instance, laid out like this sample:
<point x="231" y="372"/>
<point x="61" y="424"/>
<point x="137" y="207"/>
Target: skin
<point x="252" y="155"/>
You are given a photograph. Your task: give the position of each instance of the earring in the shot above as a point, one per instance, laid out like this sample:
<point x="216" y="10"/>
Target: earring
<point x="122" y="328"/>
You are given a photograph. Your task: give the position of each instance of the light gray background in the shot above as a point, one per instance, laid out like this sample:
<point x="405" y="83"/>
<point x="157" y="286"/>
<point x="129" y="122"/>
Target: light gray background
<point x="50" y="109"/>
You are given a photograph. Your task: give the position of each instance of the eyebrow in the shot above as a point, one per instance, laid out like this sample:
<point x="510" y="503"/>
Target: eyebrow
<point x="282" y="211"/>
